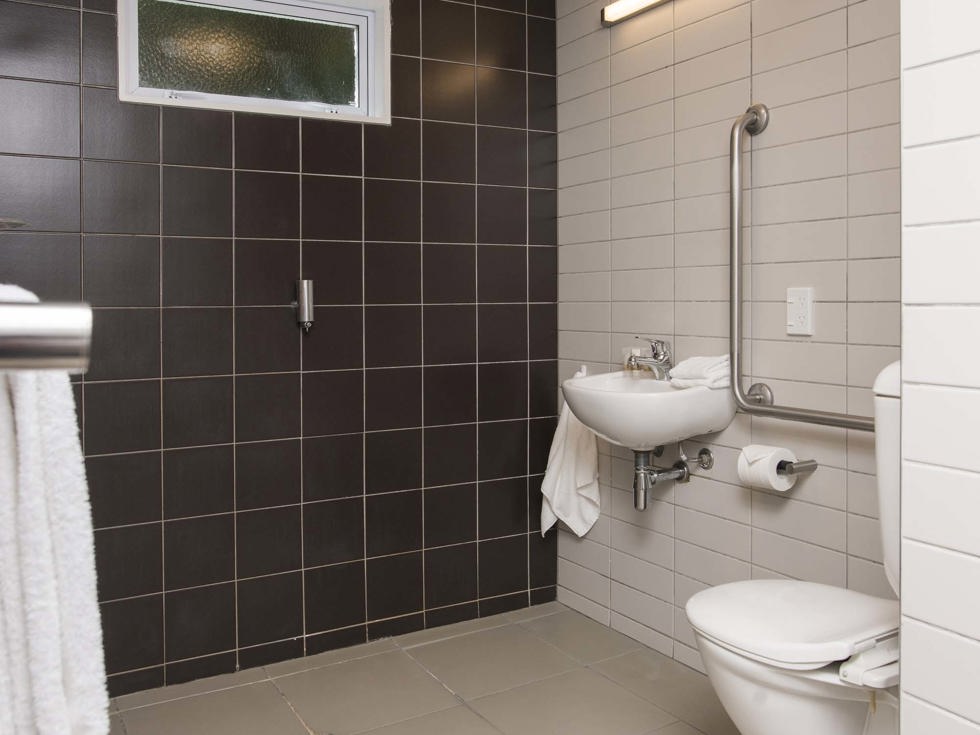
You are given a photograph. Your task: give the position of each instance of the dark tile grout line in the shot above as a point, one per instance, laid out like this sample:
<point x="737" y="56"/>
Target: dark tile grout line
<point x="503" y="622"/>
<point x="315" y="634"/>
<point x="163" y="534"/>
<point x="302" y="413"/>
<point x="421" y="251"/>
<point x="307" y="635"/>
<point x="475" y="482"/>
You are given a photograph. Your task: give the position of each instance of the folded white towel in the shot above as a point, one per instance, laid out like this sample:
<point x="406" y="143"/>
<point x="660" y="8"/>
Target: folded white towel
<point x="711" y="372"/>
<point x="570" y="486"/>
<point x="49" y="615"/>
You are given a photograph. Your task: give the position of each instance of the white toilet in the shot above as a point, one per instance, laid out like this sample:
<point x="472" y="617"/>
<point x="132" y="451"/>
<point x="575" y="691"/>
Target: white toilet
<point x="799" y="658"/>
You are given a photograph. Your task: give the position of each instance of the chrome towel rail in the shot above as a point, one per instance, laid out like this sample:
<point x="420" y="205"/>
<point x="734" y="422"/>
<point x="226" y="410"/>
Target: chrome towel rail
<point x="48" y="336"/>
<point x="758" y="400"/>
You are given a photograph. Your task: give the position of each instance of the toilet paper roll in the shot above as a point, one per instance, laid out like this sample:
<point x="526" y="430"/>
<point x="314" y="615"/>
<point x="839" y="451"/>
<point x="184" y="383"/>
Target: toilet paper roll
<point x="757" y="465"/>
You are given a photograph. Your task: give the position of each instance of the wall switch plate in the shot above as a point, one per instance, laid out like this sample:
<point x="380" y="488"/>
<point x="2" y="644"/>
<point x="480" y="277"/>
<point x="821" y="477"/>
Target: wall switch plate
<point x="799" y="311"/>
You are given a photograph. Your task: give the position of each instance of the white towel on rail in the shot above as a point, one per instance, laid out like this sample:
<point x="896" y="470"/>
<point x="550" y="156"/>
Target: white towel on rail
<point x="49" y="616"/>
<point x="570" y="486"/>
<point x="711" y="372"/>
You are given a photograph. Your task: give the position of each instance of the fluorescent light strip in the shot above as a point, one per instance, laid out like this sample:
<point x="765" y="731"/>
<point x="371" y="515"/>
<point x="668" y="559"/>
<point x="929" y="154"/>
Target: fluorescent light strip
<point x="620" y="10"/>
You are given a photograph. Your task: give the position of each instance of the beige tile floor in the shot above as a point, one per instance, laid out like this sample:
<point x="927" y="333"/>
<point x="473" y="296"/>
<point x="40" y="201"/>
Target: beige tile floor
<point x="546" y="670"/>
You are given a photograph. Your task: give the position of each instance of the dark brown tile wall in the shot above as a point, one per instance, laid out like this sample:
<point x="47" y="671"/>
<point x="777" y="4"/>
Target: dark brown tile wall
<point x="260" y="495"/>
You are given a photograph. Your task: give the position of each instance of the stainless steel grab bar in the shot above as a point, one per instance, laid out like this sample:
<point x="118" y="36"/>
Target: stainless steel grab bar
<point x="48" y="336"/>
<point x="758" y="400"/>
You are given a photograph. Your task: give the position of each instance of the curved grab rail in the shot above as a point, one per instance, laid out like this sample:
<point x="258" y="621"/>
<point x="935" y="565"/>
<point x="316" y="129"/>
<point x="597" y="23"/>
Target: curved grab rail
<point x="758" y="400"/>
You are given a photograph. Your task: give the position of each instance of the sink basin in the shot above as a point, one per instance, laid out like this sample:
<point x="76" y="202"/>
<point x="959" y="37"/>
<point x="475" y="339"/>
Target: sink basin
<point x="632" y="409"/>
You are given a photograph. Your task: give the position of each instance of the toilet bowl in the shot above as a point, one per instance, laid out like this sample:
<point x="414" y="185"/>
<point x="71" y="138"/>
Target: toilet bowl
<point x="774" y="650"/>
<point x="787" y="656"/>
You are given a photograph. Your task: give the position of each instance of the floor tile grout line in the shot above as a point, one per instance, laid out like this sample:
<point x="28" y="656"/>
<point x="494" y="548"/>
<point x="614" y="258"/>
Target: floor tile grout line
<point x="503" y="622"/>
<point x="292" y="708"/>
<point x="412" y="647"/>
<point x="578" y="664"/>
<point x="191" y="696"/>
<point x="620" y="685"/>
<point x="658" y="706"/>
<point x="432" y="675"/>
<point x="402" y="721"/>
<point x="505" y="689"/>
<point x="585" y="664"/>
<point x="317" y="667"/>
<point x="268" y="677"/>
<point x="460" y="701"/>
<point x="482" y="718"/>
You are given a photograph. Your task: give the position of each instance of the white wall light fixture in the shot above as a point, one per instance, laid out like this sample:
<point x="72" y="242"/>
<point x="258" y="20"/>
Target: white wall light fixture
<point x="620" y="10"/>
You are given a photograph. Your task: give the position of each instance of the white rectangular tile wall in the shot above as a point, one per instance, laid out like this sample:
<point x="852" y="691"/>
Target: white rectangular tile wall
<point x="941" y="378"/>
<point x="645" y="110"/>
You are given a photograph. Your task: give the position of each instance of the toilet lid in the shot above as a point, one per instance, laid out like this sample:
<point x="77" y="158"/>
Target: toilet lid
<point x="800" y="625"/>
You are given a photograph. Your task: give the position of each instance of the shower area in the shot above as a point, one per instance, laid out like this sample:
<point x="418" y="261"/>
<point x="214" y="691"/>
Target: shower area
<point x="260" y="493"/>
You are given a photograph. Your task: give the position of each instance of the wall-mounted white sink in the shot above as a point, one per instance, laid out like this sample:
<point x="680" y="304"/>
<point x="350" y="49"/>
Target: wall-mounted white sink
<point x="632" y="409"/>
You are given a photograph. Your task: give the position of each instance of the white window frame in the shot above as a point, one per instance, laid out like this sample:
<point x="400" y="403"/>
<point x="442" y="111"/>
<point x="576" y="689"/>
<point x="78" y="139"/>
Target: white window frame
<point x="371" y="18"/>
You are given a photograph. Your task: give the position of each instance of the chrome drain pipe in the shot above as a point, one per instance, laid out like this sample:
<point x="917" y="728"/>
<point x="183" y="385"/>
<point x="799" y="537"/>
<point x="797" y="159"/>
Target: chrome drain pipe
<point x="641" y="479"/>
<point x="645" y="476"/>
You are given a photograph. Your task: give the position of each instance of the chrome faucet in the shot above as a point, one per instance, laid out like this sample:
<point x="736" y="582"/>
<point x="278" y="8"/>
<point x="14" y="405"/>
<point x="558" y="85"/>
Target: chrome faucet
<point x="660" y="361"/>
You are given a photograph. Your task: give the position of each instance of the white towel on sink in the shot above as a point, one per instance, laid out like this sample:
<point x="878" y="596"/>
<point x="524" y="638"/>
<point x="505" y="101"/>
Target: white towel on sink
<point x="570" y="486"/>
<point x="711" y="372"/>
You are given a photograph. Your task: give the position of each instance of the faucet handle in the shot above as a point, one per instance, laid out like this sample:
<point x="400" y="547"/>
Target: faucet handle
<point x="659" y="348"/>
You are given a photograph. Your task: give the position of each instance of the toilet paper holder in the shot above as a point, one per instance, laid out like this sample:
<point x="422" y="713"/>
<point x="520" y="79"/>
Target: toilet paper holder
<point x="800" y="467"/>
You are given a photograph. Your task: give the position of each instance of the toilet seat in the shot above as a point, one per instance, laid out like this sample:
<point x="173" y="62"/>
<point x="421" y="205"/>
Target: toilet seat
<point x="791" y="624"/>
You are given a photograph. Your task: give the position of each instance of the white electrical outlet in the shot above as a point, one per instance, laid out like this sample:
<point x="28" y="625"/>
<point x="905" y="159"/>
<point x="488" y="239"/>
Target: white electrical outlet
<point x="799" y="311"/>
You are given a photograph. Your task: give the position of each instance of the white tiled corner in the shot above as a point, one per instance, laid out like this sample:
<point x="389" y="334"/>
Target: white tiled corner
<point x="941" y="183"/>
<point x="942" y="111"/>
<point x="940" y="505"/>
<point x="922" y="718"/>
<point x="950" y="685"/>
<point x="941" y="587"/>
<point x="924" y="408"/>
<point x="938" y="36"/>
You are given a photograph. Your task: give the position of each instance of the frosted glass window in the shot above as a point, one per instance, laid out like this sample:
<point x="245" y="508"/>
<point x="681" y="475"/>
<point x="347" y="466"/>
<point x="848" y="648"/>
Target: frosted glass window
<point x="225" y="51"/>
<point x="307" y="57"/>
